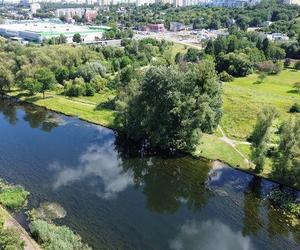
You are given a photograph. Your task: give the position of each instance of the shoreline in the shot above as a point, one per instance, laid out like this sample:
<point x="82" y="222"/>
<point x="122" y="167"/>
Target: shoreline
<point x="6" y="95"/>
<point x="11" y="223"/>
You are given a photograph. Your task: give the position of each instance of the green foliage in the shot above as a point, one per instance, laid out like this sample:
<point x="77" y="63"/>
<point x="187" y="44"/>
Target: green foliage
<point x="74" y="87"/>
<point x="6" y="78"/>
<point x="13" y="197"/>
<point x="46" y="78"/>
<point x="117" y="34"/>
<point x="77" y="38"/>
<point x="99" y="83"/>
<point x="285" y="201"/>
<point x="32" y="85"/>
<point x="269" y="67"/>
<point x="90" y="69"/>
<point x="261" y="136"/>
<point x="288" y="158"/>
<point x="193" y="55"/>
<point x="51" y="236"/>
<point x="10" y="240"/>
<point x="236" y="64"/>
<point x="173" y="107"/>
<point x="225" y="77"/>
<point x="62" y="74"/>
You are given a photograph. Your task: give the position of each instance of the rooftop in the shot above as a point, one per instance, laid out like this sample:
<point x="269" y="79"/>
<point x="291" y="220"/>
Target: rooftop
<point x="46" y="29"/>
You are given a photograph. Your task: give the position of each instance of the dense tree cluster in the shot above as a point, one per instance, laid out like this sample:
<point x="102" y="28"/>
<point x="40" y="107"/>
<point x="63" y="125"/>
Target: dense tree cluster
<point x="172" y="107"/>
<point x="81" y="70"/>
<point x="240" y="53"/>
<point x="286" y="156"/>
<point x="282" y="18"/>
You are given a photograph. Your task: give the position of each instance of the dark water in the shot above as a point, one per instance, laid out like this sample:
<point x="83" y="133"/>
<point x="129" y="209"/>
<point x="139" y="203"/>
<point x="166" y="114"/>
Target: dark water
<point x="116" y="199"/>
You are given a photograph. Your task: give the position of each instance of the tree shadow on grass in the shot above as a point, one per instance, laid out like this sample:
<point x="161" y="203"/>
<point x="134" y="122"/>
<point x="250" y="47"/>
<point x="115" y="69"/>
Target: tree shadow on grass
<point x="258" y="82"/>
<point x="294" y="91"/>
<point x="34" y="98"/>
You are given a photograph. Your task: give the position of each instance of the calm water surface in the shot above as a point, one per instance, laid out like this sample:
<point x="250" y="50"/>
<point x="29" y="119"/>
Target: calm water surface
<point x="117" y="199"/>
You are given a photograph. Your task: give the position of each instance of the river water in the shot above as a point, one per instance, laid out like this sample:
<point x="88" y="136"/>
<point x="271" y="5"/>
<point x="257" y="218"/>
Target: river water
<point x="118" y="198"/>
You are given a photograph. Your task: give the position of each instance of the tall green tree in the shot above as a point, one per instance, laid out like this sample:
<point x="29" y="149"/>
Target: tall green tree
<point x="288" y="159"/>
<point x="77" y="38"/>
<point x="46" y="78"/>
<point x="173" y="107"/>
<point x="261" y="136"/>
<point x="6" y="79"/>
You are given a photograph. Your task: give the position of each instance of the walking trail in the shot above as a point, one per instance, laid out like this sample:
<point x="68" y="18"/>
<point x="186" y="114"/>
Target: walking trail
<point x="11" y="223"/>
<point x="234" y="143"/>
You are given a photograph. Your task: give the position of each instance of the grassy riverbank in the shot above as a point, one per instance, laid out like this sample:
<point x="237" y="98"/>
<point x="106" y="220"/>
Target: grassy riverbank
<point x="243" y="99"/>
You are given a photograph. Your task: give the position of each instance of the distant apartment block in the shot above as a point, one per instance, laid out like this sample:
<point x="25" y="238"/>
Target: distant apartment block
<point x="292" y="2"/>
<point x="90" y="15"/>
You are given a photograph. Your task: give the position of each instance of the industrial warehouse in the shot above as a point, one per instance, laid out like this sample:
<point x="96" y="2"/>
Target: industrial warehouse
<point x="37" y="31"/>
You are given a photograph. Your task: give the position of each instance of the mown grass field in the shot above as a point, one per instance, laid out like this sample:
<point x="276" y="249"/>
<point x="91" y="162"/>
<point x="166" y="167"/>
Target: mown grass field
<point x="245" y="97"/>
<point x="91" y="109"/>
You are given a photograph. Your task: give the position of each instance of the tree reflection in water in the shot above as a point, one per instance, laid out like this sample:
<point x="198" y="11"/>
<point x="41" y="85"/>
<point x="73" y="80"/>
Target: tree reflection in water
<point x="166" y="181"/>
<point x="252" y="200"/>
<point x="35" y="116"/>
<point x="9" y="110"/>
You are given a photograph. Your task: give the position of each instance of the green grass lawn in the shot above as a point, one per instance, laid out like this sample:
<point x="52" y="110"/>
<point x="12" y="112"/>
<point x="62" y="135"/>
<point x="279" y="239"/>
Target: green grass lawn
<point x="92" y="109"/>
<point x="211" y="147"/>
<point x="244" y="98"/>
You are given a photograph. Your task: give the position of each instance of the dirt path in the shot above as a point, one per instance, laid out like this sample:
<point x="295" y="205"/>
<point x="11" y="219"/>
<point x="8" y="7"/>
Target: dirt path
<point x="233" y="144"/>
<point x="11" y="223"/>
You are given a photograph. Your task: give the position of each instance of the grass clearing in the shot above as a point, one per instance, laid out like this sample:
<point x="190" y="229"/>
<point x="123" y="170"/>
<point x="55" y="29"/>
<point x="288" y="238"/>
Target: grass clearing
<point x="244" y="98"/>
<point x="91" y="109"/>
<point x="211" y="147"/>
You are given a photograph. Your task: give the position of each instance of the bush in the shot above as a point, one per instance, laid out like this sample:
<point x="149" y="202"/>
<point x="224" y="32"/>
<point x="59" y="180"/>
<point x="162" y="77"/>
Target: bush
<point x="269" y="67"/>
<point x="74" y="87"/>
<point x="51" y="236"/>
<point x="98" y="83"/>
<point x="297" y="65"/>
<point x="295" y="108"/>
<point x="10" y="240"/>
<point x="13" y="197"/>
<point x="225" y="77"/>
<point x="89" y="90"/>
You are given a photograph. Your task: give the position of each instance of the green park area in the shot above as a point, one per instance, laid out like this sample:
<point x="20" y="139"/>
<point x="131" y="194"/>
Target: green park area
<point x="243" y="99"/>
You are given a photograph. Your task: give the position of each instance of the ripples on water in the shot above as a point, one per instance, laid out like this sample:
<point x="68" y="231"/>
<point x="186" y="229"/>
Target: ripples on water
<point x="116" y="199"/>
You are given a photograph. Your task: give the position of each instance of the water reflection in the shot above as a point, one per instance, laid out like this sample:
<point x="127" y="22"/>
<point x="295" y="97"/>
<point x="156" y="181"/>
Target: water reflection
<point x="36" y="117"/>
<point x="145" y="201"/>
<point x="9" y="109"/>
<point x="252" y="200"/>
<point x="97" y="161"/>
<point x="209" y="235"/>
<point x="167" y="183"/>
<point x="41" y="118"/>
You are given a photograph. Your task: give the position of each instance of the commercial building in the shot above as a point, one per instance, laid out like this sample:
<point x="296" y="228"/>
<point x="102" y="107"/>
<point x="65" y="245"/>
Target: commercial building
<point x="34" y="7"/>
<point x="38" y="31"/>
